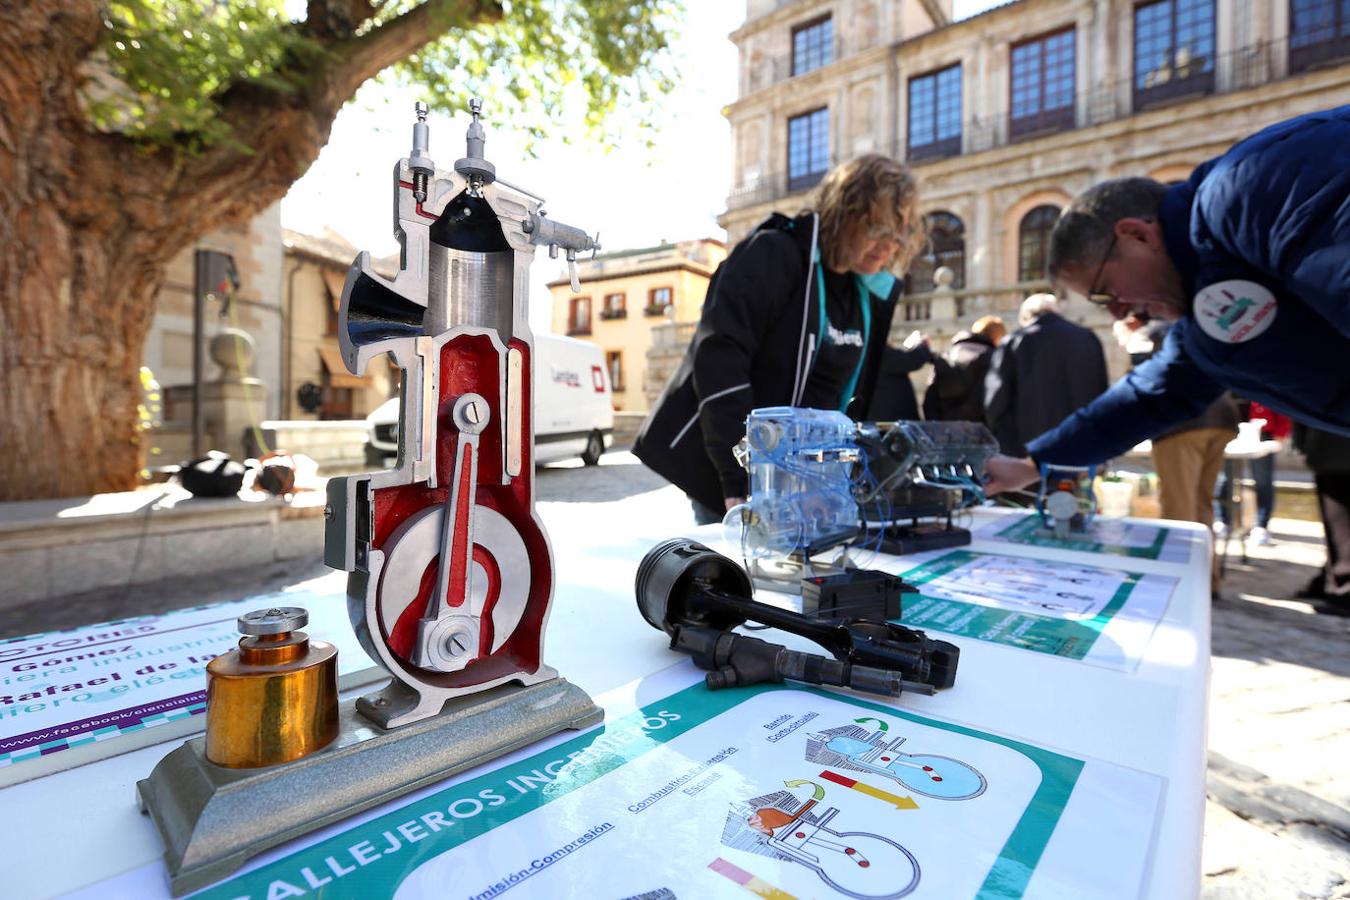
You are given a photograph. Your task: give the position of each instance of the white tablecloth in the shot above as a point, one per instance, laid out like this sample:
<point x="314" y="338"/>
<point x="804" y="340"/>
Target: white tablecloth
<point x="76" y="828"/>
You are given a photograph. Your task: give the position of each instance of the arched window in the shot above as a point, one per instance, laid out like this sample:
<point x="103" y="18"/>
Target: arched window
<point x="1033" y="242"/>
<point x="946" y="247"/>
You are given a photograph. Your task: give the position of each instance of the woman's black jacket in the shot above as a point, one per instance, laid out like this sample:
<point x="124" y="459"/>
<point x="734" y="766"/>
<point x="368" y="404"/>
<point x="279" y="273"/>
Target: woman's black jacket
<point x="753" y="348"/>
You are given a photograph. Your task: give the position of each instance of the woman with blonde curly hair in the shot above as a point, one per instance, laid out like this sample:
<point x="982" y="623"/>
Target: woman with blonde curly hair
<point x="797" y="315"/>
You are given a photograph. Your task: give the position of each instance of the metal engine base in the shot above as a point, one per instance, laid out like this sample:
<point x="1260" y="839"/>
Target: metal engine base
<point x="212" y="819"/>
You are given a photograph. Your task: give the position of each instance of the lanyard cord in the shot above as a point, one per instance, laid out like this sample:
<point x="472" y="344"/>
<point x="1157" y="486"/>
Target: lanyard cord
<point x="863" y="297"/>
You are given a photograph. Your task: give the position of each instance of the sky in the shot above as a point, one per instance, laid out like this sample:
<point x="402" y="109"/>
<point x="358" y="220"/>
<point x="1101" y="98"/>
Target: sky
<point x="633" y="196"/>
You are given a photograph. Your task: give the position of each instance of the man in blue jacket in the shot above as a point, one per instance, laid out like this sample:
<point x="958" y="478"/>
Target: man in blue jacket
<point x="1250" y="257"/>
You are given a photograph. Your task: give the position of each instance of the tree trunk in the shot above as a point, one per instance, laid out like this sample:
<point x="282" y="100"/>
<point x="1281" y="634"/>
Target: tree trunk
<point x="76" y="287"/>
<point x="73" y="316"/>
<point x="88" y="221"/>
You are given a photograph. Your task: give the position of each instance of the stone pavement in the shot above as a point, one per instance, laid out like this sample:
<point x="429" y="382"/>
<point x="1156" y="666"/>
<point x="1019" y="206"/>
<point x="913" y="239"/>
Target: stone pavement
<point x="1277" y="824"/>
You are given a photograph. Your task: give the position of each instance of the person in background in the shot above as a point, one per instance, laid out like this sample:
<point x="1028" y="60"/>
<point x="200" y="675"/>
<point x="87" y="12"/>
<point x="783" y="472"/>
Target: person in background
<point x="1277" y="427"/>
<point x="1043" y="372"/>
<point x="1328" y="456"/>
<point x="797" y="315"/>
<point x="1134" y="337"/>
<point x="1187" y="456"/>
<point x="1251" y="259"/>
<point x="956" y="387"/>
<point x="898" y="401"/>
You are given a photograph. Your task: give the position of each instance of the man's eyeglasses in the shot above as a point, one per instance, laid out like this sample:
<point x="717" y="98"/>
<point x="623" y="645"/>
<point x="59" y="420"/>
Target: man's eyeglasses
<point x="1102" y="298"/>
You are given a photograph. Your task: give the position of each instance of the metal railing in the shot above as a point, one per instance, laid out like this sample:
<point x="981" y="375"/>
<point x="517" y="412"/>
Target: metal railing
<point x="940" y="313"/>
<point x="943" y="306"/>
<point x="1237" y="70"/>
<point x="958" y="308"/>
<point x="673" y="335"/>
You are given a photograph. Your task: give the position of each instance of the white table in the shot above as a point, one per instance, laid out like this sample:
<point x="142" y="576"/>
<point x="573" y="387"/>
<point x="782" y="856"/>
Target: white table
<point x="73" y="829"/>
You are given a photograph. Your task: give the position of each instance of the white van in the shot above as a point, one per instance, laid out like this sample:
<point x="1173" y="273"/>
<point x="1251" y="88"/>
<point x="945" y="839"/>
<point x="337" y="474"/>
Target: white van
<point x="573" y="406"/>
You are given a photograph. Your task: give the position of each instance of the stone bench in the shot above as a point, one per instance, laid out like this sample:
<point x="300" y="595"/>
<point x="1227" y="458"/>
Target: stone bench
<point x="52" y="548"/>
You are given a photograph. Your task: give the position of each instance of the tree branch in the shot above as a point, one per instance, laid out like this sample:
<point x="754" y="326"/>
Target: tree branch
<point x="336" y="18"/>
<point x="44" y="46"/>
<point x="353" y="62"/>
<point x="280" y="132"/>
<point x="283" y="131"/>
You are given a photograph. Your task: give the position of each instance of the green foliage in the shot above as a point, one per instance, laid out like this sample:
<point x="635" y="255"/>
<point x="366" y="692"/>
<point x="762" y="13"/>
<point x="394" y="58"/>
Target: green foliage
<point x="547" y="57"/>
<point x="171" y="60"/>
<point x="168" y="62"/>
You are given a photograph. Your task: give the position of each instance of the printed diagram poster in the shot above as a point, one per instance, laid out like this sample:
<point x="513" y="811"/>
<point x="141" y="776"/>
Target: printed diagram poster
<point x="1100" y="616"/>
<point x="778" y="791"/>
<point x="69" y="697"/>
<point x="1115" y="537"/>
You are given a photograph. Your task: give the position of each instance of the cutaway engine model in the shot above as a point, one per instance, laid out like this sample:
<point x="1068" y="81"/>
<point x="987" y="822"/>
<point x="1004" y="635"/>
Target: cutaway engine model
<point x="451" y="570"/>
<point x="451" y="573"/>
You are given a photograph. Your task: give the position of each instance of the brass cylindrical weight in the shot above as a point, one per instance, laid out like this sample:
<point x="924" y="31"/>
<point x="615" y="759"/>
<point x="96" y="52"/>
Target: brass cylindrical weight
<point x="275" y="698"/>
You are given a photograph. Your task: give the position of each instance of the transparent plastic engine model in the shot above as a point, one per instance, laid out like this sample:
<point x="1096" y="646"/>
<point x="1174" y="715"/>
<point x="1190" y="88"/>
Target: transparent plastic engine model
<point x="817" y="478"/>
<point x="801" y="469"/>
<point x="905" y="456"/>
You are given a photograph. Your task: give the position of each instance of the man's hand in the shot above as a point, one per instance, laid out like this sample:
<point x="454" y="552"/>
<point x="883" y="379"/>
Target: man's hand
<point x="915" y="339"/>
<point x="1008" y="473"/>
<point x="734" y="501"/>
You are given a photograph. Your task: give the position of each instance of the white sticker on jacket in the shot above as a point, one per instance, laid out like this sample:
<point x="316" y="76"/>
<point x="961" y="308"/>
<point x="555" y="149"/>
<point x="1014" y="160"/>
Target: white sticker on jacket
<point x="1234" y="311"/>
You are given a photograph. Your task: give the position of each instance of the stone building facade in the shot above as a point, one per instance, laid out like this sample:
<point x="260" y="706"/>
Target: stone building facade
<point x="625" y="296"/>
<point x="255" y="247"/>
<point x="1008" y="114"/>
<point x="232" y="400"/>
<point x="287" y="302"/>
<point x="315" y="268"/>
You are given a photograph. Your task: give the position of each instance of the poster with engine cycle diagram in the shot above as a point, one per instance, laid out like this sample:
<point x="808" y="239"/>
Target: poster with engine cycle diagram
<point x="772" y="791"/>
<point x="1095" y="615"/>
<point x="1109" y="536"/>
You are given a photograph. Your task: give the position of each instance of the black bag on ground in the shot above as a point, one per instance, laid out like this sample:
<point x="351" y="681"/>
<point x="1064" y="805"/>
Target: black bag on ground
<point x="212" y="475"/>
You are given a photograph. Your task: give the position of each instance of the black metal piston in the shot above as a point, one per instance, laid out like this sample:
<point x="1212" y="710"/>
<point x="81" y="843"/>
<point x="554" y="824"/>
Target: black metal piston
<point x="697" y="596"/>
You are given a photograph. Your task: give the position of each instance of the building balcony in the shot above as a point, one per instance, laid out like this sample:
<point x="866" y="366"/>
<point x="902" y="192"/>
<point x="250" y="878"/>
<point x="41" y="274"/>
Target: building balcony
<point x="1194" y="78"/>
<point x="935" y="149"/>
<point x="1318" y="48"/>
<point x="1045" y="122"/>
<point x="579" y="330"/>
<point x="950" y="310"/>
<point x="770" y="187"/>
<point x="613" y="313"/>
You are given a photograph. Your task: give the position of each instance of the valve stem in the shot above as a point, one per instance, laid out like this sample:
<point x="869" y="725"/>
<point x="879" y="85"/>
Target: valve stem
<point x="422" y="166"/>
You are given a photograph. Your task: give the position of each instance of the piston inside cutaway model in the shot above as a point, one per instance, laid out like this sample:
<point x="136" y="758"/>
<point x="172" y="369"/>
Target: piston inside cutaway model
<point x="471" y="270"/>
